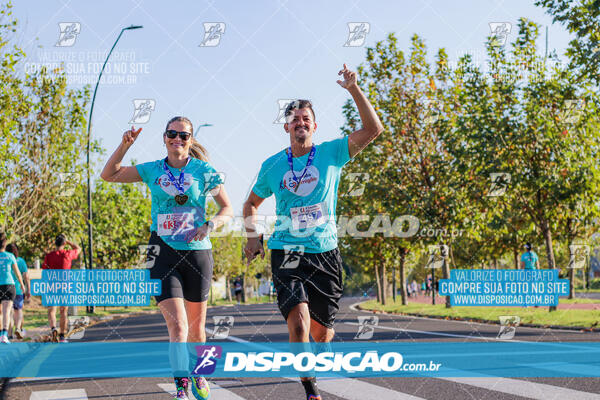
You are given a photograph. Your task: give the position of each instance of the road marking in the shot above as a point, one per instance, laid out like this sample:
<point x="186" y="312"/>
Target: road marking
<point x="533" y="390"/>
<point x="354" y="389"/>
<point x="71" y="394"/>
<point x="455" y="335"/>
<point x="217" y="392"/>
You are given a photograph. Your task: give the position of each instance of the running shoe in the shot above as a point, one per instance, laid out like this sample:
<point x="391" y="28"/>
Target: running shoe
<point x="181" y="387"/>
<point x="19" y="333"/>
<point x="62" y="339"/>
<point x="200" y="388"/>
<point x="314" y="397"/>
<point x="4" y="339"/>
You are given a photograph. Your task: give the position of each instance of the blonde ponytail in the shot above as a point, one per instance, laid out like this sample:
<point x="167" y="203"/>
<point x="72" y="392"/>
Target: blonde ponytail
<point x="197" y="150"/>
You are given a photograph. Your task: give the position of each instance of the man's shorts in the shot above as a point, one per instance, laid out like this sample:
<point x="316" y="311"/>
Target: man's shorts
<point x="313" y="278"/>
<point x="183" y="273"/>
<point x="18" y="302"/>
<point x="7" y="292"/>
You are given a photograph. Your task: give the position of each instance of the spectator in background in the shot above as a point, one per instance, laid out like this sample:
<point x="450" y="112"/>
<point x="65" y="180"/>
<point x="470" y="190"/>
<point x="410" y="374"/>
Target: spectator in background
<point x="20" y="297"/>
<point x="8" y="263"/>
<point x="237" y="289"/>
<point x="60" y="258"/>
<point x="529" y="259"/>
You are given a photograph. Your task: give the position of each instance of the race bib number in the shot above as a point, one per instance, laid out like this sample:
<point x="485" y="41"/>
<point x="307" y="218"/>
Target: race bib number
<point x="309" y="216"/>
<point x="176" y="225"/>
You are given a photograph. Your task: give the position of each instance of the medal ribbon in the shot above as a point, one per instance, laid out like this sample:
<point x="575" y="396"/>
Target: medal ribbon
<point x="178" y="184"/>
<point x="311" y="156"/>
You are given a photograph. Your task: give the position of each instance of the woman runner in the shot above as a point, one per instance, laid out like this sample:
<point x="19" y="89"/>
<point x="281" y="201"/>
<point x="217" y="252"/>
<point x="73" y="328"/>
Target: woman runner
<point x="8" y="266"/>
<point x="179" y="185"/>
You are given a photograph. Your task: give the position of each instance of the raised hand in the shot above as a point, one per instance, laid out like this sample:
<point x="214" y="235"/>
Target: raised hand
<point x="130" y="136"/>
<point x="349" y="81"/>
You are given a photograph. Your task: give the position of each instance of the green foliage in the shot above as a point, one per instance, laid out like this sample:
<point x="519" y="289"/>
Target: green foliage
<point x="447" y="129"/>
<point x="43" y="187"/>
<point x="580" y="18"/>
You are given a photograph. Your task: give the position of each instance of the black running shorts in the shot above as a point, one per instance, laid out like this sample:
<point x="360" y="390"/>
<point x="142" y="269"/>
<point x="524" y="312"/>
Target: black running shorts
<point x="313" y="278"/>
<point x="7" y="292"/>
<point x="183" y="273"/>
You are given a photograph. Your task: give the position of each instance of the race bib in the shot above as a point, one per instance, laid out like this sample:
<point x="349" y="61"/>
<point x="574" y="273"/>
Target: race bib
<point x="176" y="225"/>
<point x="309" y="216"/>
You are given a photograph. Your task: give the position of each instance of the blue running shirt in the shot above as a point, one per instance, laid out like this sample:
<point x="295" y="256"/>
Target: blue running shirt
<point x="7" y="260"/>
<point x="305" y="215"/>
<point x="171" y="221"/>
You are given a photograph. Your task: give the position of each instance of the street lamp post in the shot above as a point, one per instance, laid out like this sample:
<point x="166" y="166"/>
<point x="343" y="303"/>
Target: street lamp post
<point x="90" y="309"/>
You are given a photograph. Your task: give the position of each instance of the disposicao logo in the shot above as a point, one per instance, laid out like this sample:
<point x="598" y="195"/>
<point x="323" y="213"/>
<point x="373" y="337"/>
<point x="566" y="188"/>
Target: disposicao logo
<point x="207" y="359"/>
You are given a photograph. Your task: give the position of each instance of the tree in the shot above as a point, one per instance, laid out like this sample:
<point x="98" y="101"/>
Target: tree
<point x="514" y="120"/>
<point x="580" y="18"/>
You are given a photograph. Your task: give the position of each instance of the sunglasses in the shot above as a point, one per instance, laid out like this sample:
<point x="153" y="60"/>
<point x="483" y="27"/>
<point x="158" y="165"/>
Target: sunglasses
<point x="172" y="134"/>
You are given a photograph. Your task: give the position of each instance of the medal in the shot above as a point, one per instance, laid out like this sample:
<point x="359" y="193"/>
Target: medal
<point x="181" y="198"/>
<point x="311" y="156"/>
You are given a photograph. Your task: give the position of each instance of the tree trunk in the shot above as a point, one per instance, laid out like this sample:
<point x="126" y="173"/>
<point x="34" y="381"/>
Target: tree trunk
<point x="378" y="283"/>
<point x="403" y="253"/>
<point x="548" y="241"/>
<point x="571" y="283"/>
<point x="446" y="273"/>
<point x="384" y="285"/>
<point x="228" y="288"/>
<point x="394" y="283"/>
<point x="516" y="257"/>
<point x="586" y="276"/>
<point x="549" y="250"/>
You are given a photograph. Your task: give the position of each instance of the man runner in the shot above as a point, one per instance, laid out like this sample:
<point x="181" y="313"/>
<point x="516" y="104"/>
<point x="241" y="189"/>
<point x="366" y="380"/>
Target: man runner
<point x="305" y="260"/>
<point x="60" y="258"/>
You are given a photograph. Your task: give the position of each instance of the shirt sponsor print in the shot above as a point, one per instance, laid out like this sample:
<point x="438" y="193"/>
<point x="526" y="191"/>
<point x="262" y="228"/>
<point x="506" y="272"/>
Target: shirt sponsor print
<point x="307" y="184"/>
<point x="166" y="185"/>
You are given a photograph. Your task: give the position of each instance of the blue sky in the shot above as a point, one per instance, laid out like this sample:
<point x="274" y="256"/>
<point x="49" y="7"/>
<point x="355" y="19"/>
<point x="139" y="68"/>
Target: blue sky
<point x="270" y="50"/>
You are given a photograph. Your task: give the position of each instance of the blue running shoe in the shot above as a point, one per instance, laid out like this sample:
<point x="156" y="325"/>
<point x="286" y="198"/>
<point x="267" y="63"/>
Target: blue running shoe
<point x="200" y="388"/>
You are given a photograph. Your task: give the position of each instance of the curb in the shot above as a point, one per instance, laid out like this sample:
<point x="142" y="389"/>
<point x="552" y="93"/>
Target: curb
<point x="480" y="320"/>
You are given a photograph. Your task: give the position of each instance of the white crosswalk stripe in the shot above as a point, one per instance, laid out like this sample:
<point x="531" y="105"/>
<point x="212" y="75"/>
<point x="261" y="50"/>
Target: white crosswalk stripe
<point x="67" y="394"/>
<point x="354" y="389"/>
<point x="216" y="391"/>
<point x="532" y="390"/>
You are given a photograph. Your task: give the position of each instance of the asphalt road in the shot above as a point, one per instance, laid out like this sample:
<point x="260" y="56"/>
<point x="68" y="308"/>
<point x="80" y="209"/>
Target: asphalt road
<point x="263" y="323"/>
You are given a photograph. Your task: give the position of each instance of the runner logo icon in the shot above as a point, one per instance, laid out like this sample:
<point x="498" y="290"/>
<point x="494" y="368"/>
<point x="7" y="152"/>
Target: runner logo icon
<point x="212" y="34"/>
<point x="207" y="359"/>
<point x="366" y="327"/>
<point x="223" y="323"/>
<point x="357" y="33"/>
<point x="142" y="110"/>
<point x="68" y="33"/>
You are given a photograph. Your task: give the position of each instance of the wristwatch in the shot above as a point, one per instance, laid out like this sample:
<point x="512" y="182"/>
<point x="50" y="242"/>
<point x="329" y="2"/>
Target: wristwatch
<point x="210" y="224"/>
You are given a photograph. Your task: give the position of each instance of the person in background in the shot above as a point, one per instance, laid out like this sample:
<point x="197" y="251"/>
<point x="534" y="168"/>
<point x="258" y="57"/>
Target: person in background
<point x="60" y="258"/>
<point x="21" y="294"/>
<point x="415" y="288"/>
<point x="529" y="259"/>
<point x="237" y="289"/>
<point x="8" y="262"/>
